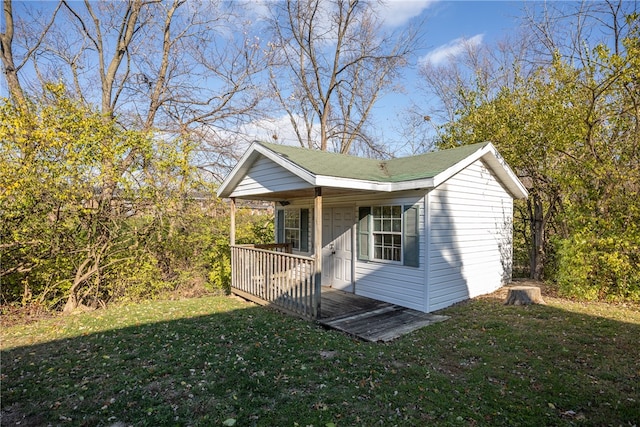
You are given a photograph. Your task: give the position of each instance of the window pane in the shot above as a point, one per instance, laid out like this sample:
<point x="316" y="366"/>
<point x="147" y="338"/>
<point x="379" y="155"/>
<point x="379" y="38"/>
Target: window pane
<point x="292" y="218"/>
<point x="387" y="232"/>
<point x="292" y="227"/>
<point x="378" y="253"/>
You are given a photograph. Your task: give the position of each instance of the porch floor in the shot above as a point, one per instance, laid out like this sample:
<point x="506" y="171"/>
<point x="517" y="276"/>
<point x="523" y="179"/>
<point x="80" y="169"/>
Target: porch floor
<point x="370" y="319"/>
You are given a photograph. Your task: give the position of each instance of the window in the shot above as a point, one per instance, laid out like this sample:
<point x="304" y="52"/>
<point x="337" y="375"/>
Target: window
<point x="292" y="226"/>
<point x="389" y="233"/>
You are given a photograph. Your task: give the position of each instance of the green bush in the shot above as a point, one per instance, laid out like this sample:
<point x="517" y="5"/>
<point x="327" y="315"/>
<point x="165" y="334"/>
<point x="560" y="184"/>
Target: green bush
<point x="592" y="267"/>
<point x="250" y="228"/>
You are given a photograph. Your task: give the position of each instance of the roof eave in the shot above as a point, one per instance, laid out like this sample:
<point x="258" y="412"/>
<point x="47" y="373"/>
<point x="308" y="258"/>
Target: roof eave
<point x="489" y="154"/>
<point x="368" y="185"/>
<point x="247" y="160"/>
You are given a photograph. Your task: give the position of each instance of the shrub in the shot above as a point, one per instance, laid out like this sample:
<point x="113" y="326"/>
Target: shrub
<point x="593" y="267"/>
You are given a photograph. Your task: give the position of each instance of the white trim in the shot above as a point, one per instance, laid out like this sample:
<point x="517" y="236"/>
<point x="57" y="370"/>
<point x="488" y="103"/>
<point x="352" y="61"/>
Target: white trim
<point x="427" y="251"/>
<point x="488" y="153"/>
<point x="495" y="161"/>
<point x="351" y="183"/>
<point x="354" y="249"/>
<point x="242" y="166"/>
<point x="247" y="160"/>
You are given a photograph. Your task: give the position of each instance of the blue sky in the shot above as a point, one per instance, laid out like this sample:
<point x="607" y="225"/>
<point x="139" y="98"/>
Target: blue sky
<point x="445" y="25"/>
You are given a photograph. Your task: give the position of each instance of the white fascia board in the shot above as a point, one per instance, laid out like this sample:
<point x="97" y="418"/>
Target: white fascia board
<point x="247" y="160"/>
<point x="508" y="177"/>
<point x="489" y="154"/>
<point x="462" y="164"/>
<point x="426" y="183"/>
<point x="237" y="172"/>
<point x="287" y="164"/>
<point x="358" y="184"/>
<point x="350" y="183"/>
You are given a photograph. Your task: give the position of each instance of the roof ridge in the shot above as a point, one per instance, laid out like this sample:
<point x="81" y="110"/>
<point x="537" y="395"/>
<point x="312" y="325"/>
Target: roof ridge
<point x="327" y="163"/>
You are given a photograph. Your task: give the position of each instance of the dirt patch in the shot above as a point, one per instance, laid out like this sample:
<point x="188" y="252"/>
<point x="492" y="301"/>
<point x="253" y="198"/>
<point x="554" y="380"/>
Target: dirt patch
<point x="501" y="294"/>
<point x="12" y="315"/>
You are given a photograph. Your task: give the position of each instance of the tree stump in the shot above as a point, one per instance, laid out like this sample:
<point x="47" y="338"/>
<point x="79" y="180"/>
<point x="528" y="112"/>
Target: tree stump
<point x="524" y="295"/>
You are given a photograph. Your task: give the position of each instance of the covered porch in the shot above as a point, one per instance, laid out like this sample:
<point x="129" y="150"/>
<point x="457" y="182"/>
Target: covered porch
<point x="273" y="277"/>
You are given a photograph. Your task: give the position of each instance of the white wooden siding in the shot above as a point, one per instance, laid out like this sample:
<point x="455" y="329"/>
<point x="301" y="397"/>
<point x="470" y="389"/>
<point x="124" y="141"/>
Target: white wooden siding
<point x="390" y="282"/>
<point x="393" y="283"/>
<point x="266" y="176"/>
<point x="470" y="237"/>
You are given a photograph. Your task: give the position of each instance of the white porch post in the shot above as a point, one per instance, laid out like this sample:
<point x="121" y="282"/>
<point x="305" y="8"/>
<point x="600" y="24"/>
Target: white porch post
<point x="317" y="243"/>
<point x="232" y="232"/>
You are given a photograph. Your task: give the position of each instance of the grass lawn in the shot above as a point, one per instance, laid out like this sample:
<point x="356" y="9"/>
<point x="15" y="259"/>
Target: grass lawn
<point x="221" y="361"/>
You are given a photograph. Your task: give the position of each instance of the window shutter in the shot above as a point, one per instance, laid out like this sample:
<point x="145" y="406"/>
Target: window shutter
<point x="411" y="237"/>
<point x="364" y="212"/>
<point x="280" y="226"/>
<point x="304" y="230"/>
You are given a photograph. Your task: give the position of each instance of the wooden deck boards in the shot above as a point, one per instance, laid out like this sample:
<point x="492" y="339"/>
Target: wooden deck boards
<point x="369" y="319"/>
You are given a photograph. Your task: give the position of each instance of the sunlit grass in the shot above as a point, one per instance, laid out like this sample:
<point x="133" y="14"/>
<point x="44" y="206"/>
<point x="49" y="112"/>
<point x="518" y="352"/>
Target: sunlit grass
<point x="217" y="360"/>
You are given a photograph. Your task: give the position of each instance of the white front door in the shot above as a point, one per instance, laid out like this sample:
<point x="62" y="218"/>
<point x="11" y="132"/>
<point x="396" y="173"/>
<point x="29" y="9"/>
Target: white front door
<point x="337" y="226"/>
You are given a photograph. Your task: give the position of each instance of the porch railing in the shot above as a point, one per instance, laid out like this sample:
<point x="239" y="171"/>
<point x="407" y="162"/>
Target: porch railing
<point x="282" y="279"/>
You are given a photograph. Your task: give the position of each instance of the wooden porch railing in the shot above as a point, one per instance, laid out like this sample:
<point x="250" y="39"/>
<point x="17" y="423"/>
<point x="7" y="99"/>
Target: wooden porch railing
<point x="274" y="247"/>
<point x="282" y="279"/>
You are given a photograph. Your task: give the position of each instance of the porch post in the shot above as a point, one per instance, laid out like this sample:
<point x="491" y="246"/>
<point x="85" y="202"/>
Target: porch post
<point x="232" y="232"/>
<point x="317" y="241"/>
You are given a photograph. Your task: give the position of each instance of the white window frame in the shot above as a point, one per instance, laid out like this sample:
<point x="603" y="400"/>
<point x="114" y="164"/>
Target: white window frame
<point x="387" y="223"/>
<point x="292" y="229"/>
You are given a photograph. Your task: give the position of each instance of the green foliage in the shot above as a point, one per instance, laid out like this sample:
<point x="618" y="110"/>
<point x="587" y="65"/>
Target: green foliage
<point x="599" y="268"/>
<point x="571" y="131"/>
<point x="52" y="158"/>
<point x="250" y="228"/>
<point x="92" y="213"/>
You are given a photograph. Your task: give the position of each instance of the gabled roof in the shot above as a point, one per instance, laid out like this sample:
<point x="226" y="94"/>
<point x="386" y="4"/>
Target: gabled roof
<point x="325" y="169"/>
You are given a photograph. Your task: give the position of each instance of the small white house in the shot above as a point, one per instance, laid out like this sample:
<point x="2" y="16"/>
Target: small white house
<point x="423" y="232"/>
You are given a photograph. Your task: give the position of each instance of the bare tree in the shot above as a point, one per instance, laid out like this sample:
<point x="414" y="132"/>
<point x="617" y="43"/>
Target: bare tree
<point x="10" y="67"/>
<point x="330" y="61"/>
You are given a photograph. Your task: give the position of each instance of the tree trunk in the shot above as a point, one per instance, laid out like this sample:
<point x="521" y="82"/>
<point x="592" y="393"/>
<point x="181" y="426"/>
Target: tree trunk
<point x="524" y="295"/>
<point x="536" y="270"/>
<point x="6" y="48"/>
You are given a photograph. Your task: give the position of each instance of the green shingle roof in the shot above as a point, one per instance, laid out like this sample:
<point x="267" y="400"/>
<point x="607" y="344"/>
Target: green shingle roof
<point x="394" y="170"/>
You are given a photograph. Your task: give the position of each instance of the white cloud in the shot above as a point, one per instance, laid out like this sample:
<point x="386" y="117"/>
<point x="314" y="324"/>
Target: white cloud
<point x="256" y="9"/>
<point x="450" y="50"/>
<point x="393" y="13"/>
<point x="396" y="13"/>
